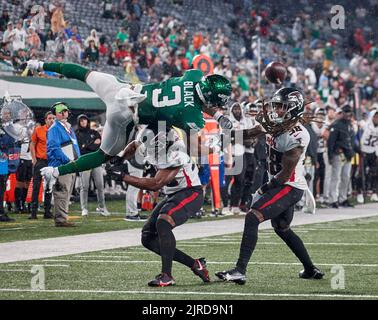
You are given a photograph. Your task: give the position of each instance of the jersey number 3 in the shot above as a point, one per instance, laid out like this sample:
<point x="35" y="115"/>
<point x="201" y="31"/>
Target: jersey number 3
<point x="165" y="101"/>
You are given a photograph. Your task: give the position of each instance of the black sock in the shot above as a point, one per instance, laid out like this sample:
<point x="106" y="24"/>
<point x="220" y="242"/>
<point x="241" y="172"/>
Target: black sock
<point x="296" y="245"/>
<point x="248" y="244"/>
<point x="167" y="244"/>
<point x="183" y="258"/>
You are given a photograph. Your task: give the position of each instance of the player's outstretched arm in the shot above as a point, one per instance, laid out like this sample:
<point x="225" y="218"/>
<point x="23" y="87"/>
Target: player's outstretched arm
<point x="162" y="178"/>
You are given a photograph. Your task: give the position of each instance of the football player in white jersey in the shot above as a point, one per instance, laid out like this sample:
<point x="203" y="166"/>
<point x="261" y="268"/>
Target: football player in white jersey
<point x="369" y="155"/>
<point x="287" y="141"/>
<point x="178" y="176"/>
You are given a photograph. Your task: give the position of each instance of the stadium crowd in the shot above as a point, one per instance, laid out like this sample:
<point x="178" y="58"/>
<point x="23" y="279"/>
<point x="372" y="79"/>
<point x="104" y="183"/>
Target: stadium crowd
<point x="338" y="75"/>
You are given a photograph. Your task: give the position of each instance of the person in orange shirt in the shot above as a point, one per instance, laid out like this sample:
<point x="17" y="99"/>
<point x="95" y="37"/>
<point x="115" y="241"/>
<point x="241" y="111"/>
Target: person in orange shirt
<point x="39" y="160"/>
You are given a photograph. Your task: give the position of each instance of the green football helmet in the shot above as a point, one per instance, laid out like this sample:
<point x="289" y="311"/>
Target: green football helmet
<point x="215" y="90"/>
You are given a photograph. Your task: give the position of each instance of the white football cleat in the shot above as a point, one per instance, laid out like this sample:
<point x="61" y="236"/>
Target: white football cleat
<point x="84" y="213"/>
<point x="374" y="197"/>
<point x="360" y="198"/>
<point x="103" y="211"/>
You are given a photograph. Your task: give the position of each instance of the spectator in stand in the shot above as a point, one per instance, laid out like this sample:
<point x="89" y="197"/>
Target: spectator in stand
<point x="134" y="28"/>
<point x="38" y="150"/>
<point x="8" y="33"/>
<point x="19" y="38"/>
<point x="122" y="35"/>
<point x="93" y="36"/>
<point x="156" y="70"/>
<point x="91" y="54"/>
<point x="57" y="19"/>
<point x="89" y="140"/>
<point x="72" y="50"/>
<point x="4" y="19"/>
<point x="33" y="40"/>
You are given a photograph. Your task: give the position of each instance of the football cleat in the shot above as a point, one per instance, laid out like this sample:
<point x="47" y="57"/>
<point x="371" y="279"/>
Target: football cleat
<point x="315" y="273"/>
<point x="162" y="280"/>
<point x="199" y="269"/>
<point x="232" y="275"/>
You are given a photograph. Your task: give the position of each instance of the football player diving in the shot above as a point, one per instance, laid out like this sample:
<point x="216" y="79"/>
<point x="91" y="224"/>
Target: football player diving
<point x="180" y="102"/>
<point x="178" y="176"/>
<point x="287" y="140"/>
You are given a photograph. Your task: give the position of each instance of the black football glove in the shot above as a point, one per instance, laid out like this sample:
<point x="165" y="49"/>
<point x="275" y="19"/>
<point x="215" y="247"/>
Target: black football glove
<point x="118" y="170"/>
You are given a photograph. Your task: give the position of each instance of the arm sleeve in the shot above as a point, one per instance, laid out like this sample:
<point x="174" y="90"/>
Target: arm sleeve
<point x="86" y="162"/>
<point x="69" y="70"/>
<point x="54" y="150"/>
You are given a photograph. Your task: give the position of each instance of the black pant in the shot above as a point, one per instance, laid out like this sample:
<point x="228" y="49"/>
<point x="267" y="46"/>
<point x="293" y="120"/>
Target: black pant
<point x="319" y="174"/>
<point x="238" y="185"/>
<point x="3" y="188"/>
<point x="250" y="161"/>
<point x="37" y="179"/>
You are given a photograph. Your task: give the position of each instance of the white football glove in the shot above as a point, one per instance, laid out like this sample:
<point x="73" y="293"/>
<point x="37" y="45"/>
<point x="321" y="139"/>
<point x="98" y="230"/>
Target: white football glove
<point x="35" y="65"/>
<point x="50" y="174"/>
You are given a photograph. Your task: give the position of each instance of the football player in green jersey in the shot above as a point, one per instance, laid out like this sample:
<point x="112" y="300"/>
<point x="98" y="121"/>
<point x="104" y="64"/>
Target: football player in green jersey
<point x="178" y="101"/>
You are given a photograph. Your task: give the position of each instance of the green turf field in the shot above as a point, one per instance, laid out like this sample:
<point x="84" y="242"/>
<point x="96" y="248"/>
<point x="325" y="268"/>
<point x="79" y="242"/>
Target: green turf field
<point x="24" y="229"/>
<point x="123" y="274"/>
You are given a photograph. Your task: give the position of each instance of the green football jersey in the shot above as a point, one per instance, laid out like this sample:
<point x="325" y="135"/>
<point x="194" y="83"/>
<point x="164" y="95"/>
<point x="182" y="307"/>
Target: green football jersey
<point x="174" y="101"/>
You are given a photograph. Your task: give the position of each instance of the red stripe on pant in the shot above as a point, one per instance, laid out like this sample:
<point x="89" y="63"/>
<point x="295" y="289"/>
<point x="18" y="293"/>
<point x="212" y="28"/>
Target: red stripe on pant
<point x="183" y="203"/>
<point x="278" y="196"/>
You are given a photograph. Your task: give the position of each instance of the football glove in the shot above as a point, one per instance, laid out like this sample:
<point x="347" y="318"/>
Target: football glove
<point x="116" y="169"/>
<point x="223" y="121"/>
<point x="50" y="174"/>
<point x="35" y="65"/>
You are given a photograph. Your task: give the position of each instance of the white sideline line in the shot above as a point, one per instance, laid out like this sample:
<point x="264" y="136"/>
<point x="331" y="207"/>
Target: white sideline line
<point x="240" y="294"/>
<point x="279" y="243"/>
<point x="333" y="229"/>
<point x="96" y="256"/>
<point x="20" y="228"/>
<point x="14" y="270"/>
<point x="217" y="262"/>
<point x="38" y="264"/>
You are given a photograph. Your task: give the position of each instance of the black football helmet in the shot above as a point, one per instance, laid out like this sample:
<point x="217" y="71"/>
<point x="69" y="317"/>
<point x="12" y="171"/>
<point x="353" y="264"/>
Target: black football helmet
<point x="282" y="111"/>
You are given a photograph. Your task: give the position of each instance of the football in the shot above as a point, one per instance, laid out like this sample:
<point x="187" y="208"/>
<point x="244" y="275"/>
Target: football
<point x="275" y="72"/>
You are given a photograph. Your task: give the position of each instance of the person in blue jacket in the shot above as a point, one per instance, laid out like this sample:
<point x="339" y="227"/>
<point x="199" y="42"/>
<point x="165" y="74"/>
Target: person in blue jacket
<point x="62" y="148"/>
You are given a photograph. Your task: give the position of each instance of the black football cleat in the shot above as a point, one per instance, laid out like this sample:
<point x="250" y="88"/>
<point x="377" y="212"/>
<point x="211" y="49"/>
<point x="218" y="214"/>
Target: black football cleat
<point x="315" y="273"/>
<point x="199" y="269"/>
<point x="232" y="275"/>
<point x="162" y="280"/>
